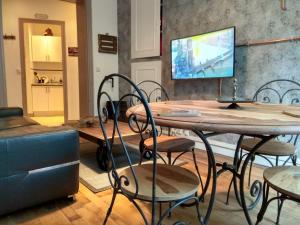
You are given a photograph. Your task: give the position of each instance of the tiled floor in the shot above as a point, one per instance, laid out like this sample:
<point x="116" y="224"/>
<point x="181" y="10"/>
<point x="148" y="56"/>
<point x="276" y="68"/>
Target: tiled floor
<point x="49" y="120"/>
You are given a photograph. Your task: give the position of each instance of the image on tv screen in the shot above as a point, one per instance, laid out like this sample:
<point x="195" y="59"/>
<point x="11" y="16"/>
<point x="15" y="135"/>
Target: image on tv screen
<point x="209" y="55"/>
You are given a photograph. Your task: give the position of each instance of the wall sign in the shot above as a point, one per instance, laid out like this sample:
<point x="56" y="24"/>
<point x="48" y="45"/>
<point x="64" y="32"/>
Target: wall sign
<point x="107" y="44"/>
<point x="9" y="37"/>
<point x="73" y="51"/>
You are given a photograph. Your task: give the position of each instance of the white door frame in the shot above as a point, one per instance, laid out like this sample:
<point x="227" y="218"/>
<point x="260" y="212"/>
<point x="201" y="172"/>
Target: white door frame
<point x="61" y="24"/>
<point x="3" y="95"/>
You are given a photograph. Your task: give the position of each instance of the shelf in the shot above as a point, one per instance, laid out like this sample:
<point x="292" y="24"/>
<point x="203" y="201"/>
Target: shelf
<point x="48" y="84"/>
<point x="44" y="69"/>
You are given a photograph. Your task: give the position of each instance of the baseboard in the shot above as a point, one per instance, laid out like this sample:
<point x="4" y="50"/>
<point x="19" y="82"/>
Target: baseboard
<point x="48" y="113"/>
<point x="72" y="122"/>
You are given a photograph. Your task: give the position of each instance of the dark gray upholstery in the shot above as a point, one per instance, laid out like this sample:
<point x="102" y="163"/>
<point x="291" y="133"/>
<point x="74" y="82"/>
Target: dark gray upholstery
<point x="10" y="111"/>
<point x="37" y="163"/>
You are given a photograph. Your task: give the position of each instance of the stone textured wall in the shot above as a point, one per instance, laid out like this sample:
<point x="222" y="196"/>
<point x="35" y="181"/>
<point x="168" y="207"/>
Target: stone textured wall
<point x="124" y="41"/>
<point x="254" y="20"/>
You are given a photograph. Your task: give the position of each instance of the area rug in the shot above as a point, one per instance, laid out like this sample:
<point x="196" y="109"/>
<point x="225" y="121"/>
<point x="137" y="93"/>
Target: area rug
<point x="92" y="176"/>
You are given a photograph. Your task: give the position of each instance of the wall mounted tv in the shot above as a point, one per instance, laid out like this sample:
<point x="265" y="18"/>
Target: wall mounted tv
<point x="209" y="55"/>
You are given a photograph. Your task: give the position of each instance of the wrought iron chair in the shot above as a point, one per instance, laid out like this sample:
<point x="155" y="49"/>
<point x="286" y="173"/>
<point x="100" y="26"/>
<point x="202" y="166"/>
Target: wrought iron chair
<point x="283" y="179"/>
<point x="165" y="142"/>
<point x="280" y="91"/>
<point x="149" y="182"/>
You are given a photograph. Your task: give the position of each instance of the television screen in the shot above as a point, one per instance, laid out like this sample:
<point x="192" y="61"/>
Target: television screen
<point x="209" y="55"/>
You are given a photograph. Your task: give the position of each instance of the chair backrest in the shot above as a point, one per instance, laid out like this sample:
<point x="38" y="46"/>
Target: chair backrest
<point x="280" y="91"/>
<point x="152" y="90"/>
<point x="116" y="139"/>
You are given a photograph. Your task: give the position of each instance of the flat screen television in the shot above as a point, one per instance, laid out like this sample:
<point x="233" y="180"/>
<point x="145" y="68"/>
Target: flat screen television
<point x="209" y="55"/>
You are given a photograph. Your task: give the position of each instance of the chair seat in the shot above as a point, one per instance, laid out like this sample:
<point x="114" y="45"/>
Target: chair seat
<point x="172" y="182"/>
<point x="284" y="179"/>
<point x="272" y="147"/>
<point x="170" y="144"/>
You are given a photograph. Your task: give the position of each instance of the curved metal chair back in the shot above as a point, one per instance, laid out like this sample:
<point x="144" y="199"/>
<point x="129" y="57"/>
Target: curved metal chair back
<point x="280" y="91"/>
<point x="154" y="93"/>
<point x="116" y="136"/>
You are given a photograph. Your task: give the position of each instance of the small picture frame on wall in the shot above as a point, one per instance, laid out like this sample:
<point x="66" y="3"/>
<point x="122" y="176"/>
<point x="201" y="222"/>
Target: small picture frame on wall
<point x="107" y="44"/>
<point x="9" y="37"/>
<point x="73" y="51"/>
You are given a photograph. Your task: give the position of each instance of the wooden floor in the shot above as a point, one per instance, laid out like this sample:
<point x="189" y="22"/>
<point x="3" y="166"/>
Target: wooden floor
<point x="50" y="121"/>
<point x="90" y="208"/>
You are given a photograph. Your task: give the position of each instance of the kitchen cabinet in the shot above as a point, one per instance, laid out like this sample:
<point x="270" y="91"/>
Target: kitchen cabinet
<point x="39" y="99"/>
<point x="47" y="99"/>
<point x="46" y="48"/>
<point x="145" y="28"/>
<point x="56" y="102"/>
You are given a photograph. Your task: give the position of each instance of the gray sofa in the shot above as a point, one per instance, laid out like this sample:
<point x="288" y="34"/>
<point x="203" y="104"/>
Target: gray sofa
<point x="37" y="163"/>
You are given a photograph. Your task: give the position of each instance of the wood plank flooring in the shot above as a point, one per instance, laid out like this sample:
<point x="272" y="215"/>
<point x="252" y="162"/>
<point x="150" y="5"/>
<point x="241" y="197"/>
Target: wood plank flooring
<point x="90" y="208"/>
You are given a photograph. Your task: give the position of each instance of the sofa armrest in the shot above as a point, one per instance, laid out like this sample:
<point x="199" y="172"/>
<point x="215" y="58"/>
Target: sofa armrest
<point x="10" y="111"/>
<point x="37" y="164"/>
<point x="36" y="149"/>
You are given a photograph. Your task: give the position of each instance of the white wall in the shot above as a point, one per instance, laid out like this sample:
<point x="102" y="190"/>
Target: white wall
<point x="56" y="10"/>
<point x="2" y="78"/>
<point x="104" y="20"/>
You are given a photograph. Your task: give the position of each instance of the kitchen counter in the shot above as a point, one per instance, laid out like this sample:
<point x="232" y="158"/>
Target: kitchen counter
<point x="47" y="84"/>
<point x="47" y="98"/>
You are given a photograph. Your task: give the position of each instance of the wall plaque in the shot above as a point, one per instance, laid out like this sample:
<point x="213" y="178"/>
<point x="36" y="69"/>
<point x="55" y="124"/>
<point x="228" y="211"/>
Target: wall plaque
<point x="107" y="43"/>
<point x="73" y="51"/>
<point x="9" y="37"/>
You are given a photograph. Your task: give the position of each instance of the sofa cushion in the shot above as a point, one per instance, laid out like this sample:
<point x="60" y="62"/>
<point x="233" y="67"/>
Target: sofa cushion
<point x="10" y="111"/>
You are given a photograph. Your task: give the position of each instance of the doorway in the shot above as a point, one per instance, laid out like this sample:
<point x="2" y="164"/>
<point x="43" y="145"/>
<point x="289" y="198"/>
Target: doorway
<point x="78" y="87"/>
<point x="43" y="65"/>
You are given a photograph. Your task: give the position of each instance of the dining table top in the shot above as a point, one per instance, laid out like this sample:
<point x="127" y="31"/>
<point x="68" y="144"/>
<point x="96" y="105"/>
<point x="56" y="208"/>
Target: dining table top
<point x="251" y="118"/>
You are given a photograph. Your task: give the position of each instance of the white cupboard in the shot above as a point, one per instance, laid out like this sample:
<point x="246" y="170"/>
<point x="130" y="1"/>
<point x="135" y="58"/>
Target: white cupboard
<point x="46" y="48"/>
<point x="145" y="28"/>
<point x="47" y="99"/>
<point x="56" y="102"/>
<point x="150" y="70"/>
<point x="39" y="99"/>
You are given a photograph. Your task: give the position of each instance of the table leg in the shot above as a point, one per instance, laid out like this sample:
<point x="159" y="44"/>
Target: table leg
<point x="102" y="157"/>
<point x="212" y="175"/>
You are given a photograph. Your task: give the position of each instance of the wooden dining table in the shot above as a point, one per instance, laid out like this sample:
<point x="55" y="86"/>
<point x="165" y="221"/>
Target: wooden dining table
<point x="208" y="118"/>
